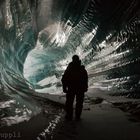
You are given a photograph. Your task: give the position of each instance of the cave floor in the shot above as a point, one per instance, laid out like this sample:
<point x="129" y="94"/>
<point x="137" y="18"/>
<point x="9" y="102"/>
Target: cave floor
<point x="101" y="120"/>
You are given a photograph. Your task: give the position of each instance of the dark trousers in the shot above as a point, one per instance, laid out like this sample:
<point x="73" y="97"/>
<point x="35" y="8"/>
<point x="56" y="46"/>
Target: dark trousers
<point x="69" y="104"/>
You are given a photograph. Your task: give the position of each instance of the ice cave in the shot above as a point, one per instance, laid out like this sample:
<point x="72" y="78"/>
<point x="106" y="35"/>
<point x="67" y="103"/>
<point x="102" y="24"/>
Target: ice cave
<point x="39" y="37"/>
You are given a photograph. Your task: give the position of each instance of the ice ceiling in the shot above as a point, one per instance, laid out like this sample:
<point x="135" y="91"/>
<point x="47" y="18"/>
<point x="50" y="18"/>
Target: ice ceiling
<point x="39" y="37"/>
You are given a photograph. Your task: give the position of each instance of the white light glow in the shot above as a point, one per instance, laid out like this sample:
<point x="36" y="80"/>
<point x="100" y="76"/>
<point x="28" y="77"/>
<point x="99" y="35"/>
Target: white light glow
<point x="59" y="38"/>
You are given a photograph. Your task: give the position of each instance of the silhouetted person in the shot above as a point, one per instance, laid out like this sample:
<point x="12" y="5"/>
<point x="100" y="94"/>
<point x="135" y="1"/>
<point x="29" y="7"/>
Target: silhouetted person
<point x="75" y="83"/>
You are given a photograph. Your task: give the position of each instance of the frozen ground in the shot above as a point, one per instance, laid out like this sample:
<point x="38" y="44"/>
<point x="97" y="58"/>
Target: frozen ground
<point x="102" y="119"/>
<point x="101" y="122"/>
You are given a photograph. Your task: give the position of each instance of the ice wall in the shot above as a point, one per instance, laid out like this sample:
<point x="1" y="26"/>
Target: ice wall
<point x="105" y="34"/>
